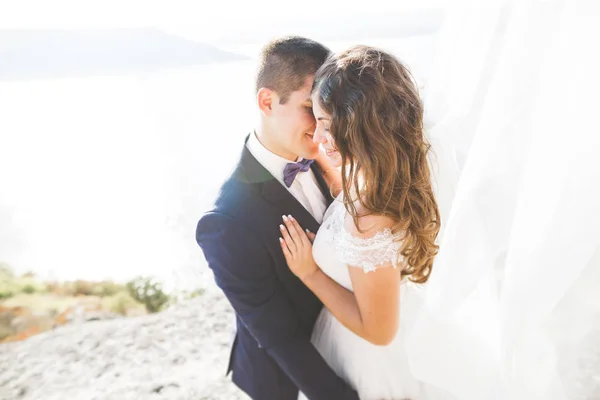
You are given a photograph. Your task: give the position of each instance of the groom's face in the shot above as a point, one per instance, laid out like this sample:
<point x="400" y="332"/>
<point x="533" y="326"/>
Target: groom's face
<point x="294" y="123"/>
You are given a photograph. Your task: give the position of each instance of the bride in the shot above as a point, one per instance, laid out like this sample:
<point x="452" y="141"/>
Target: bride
<point x="511" y="310"/>
<point x="376" y="245"/>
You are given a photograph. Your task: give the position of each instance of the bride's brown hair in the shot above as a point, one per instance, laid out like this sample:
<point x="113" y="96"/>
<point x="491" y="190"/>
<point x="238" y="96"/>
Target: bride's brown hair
<point x="377" y="126"/>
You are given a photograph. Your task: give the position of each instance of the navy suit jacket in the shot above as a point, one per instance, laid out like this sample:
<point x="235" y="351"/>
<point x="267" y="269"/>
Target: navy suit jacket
<point x="272" y="355"/>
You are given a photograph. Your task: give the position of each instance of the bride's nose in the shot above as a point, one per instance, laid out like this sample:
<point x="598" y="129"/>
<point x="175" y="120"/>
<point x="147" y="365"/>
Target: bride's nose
<point x="318" y="137"/>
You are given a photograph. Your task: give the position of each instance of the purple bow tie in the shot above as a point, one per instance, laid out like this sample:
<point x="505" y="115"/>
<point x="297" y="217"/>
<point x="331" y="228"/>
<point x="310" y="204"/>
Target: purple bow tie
<point x="292" y="169"/>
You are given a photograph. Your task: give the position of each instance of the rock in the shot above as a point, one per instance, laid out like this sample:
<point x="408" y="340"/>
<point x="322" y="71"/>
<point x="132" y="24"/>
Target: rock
<point x="100" y="315"/>
<point x="136" y="312"/>
<point x="180" y="353"/>
<point x="80" y="313"/>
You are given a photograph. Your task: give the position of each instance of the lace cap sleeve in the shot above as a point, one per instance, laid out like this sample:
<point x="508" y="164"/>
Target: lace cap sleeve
<point x="371" y="253"/>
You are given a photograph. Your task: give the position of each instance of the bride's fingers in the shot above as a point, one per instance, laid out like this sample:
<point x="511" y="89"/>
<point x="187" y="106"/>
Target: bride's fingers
<point x="293" y="226"/>
<point x="301" y="233"/>
<point x="286" y="251"/>
<point x="288" y="239"/>
<point x="292" y="230"/>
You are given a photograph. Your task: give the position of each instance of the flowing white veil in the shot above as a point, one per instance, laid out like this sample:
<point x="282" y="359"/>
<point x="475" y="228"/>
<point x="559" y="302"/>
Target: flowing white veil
<point x="513" y="309"/>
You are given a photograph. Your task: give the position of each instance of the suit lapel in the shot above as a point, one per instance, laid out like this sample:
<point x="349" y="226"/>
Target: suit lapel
<point x="282" y="200"/>
<point x="274" y="192"/>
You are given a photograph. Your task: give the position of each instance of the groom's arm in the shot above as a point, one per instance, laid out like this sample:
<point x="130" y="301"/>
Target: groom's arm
<point x="243" y="270"/>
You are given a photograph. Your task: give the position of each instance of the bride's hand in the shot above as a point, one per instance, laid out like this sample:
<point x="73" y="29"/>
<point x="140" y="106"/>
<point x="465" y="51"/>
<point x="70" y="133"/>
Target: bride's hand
<point x="297" y="248"/>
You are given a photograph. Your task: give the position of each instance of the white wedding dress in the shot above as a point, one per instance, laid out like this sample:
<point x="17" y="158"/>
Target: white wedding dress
<point x="376" y="372"/>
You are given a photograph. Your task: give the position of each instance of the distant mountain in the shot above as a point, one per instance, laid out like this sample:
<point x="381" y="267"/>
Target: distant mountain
<point x="44" y="54"/>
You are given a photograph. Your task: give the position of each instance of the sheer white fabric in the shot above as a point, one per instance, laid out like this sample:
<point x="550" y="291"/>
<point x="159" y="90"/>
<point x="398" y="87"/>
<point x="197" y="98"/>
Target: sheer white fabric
<point x="377" y="251"/>
<point x="514" y="287"/>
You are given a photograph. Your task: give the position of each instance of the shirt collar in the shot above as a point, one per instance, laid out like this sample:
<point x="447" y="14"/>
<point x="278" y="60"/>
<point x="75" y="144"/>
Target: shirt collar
<point x="271" y="161"/>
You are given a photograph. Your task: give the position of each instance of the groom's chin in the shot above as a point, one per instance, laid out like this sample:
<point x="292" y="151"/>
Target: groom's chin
<point x="311" y="155"/>
<point x="310" y="152"/>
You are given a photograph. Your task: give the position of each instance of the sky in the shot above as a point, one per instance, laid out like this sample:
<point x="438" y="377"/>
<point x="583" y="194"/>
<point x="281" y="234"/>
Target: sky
<point x="194" y="19"/>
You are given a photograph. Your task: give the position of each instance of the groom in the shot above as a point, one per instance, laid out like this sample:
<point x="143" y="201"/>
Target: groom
<point x="272" y="356"/>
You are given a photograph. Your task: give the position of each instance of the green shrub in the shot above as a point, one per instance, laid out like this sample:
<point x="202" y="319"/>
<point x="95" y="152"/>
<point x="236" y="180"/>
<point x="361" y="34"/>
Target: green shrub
<point x="106" y="289"/>
<point x="148" y="292"/>
<point x="5" y="292"/>
<point x="28" y="288"/>
<point x="29" y="285"/>
<point x="11" y="284"/>
<point x="121" y="302"/>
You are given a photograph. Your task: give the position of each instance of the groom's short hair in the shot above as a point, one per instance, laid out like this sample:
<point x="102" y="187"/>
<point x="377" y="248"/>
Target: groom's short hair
<point x="285" y="63"/>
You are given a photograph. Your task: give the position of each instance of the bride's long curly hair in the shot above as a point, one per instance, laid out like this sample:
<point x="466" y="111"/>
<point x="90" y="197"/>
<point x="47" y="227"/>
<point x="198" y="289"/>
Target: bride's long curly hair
<point x="377" y="126"/>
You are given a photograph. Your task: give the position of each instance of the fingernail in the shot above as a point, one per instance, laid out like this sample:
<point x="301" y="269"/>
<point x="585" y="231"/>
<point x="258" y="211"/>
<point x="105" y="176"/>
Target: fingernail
<point x="284" y="218"/>
<point x="281" y="227"/>
<point x="281" y="240"/>
<point x="290" y="217"/>
<point x="307" y="231"/>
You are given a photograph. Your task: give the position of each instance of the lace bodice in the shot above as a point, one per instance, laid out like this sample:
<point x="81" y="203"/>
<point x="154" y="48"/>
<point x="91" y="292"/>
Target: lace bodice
<point x="369" y="254"/>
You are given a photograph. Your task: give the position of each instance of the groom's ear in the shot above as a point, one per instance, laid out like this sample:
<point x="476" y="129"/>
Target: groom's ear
<point x="265" y="98"/>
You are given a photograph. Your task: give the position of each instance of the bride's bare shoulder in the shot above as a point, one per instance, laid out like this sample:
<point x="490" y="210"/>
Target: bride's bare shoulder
<point x="369" y="224"/>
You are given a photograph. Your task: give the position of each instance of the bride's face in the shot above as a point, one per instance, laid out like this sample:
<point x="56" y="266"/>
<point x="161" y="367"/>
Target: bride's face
<point x="322" y="135"/>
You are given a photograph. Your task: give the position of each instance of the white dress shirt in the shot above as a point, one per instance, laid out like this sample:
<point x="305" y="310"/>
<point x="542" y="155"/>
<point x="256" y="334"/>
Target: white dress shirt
<point x="305" y="187"/>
